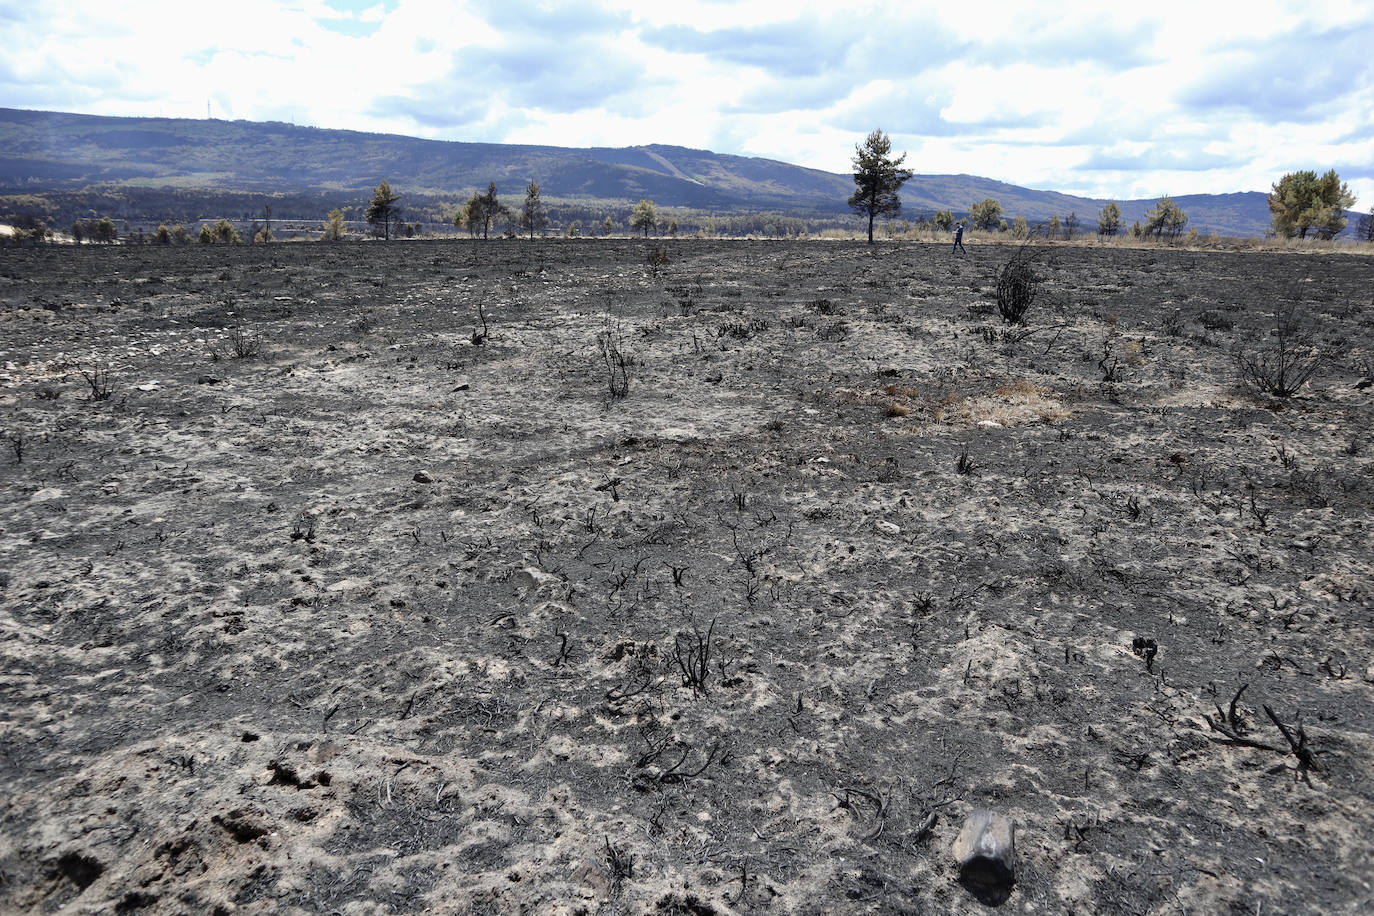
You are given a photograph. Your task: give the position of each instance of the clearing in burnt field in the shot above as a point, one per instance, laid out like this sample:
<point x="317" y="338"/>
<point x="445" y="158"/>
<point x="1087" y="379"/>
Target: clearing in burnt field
<point x="699" y="577"/>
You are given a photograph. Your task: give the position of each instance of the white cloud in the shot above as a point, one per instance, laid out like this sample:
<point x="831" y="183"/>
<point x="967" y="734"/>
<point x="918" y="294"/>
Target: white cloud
<point x="1108" y="100"/>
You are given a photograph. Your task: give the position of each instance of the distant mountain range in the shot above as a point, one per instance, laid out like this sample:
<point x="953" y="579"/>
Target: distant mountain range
<point x="164" y="169"/>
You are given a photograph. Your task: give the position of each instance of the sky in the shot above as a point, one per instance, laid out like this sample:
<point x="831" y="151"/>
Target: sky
<point x="1102" y="99"/>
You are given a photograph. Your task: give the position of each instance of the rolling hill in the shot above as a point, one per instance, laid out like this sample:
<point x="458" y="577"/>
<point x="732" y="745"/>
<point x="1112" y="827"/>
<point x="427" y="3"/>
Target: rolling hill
<point x="57" y="164"/>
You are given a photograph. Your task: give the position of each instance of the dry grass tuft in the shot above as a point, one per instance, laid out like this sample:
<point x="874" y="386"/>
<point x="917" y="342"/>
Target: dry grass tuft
<point x="1021" y="389"/>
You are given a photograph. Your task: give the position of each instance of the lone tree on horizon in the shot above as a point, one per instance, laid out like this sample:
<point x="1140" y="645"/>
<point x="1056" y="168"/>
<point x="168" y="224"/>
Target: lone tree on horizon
<point x="1165" y="218"/>
<point x="986" y="215"/>
<point x="383" y="208"/>
<point x="1301" y="203"/>
<point x="334" y="229"/>
<point x="877" y="179"/>
<point x="644" y="216"/>
<point x="1109" y="219"/>
<point x="479" y="212"/>
<point x="533" y="218"/>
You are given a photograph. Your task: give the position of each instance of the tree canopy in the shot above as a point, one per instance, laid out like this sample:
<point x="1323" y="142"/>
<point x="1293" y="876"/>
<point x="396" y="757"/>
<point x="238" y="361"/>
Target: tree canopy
<point x="533" y="219"/>
<point x="878" y="179"/>
<point x="1301" y="202"/>
<point x="1165" y="219"/>
<point x="644" y="216"/>
<point x="479" y="212"/>
<point x="1109" y="220"/>
<point x="334" y="230"/>
<point x="383" y="208"/>
<point x="986" y="214"/>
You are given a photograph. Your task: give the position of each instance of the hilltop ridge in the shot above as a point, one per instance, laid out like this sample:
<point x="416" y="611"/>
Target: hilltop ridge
<point x="171" y="168"/>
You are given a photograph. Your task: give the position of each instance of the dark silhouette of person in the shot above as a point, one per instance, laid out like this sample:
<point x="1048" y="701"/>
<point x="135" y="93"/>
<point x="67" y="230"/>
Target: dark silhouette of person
<point x="959" y="239"/>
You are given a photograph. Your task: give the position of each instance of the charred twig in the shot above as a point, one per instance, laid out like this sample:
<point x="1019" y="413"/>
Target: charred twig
<point x="480" y="337"/>
<point x="692" y="655"/>
<point x="563" y="651"/>
<point x="925" y="827"/>
<point x="638" y="684"/>
<point x="743" y="879"/>
<point x="653" y="753"/>
<point x="1297" y="742"/>
<point x="965" y="465"/>
<point x="621" y="864"/>
<point x="1232" y="719"/>
<point x="1233" y="735"/>
<point x="675" y="774"/>
<point x="880" y="809"/>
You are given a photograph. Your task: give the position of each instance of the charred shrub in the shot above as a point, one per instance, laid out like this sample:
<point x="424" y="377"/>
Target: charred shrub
<point x="1285" y="358"/>
<point x="742" y="330"/>
<point x="97" y="378"/>
<point x="1017" y="287"/>
<point x="244" y="344"/>
<point x="615" y="360"/>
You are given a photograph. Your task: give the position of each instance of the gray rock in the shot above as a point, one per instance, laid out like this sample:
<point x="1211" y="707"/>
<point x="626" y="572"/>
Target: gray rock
<point x="985" y="852"/>
<point x="422" y="477"/>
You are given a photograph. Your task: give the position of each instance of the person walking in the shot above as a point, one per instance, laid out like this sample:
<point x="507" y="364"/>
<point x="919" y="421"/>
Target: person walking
<point x="959" y="239"/>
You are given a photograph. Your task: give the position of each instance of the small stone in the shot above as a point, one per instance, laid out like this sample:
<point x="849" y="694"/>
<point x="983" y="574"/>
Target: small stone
<point x="985" y="852"/>
<point x="422" y="477"/>
<point x="207" y="380"/>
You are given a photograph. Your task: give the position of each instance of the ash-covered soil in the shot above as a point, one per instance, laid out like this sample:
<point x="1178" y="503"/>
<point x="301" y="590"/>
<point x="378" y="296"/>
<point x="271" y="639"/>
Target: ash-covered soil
<point x="322" y="595"/>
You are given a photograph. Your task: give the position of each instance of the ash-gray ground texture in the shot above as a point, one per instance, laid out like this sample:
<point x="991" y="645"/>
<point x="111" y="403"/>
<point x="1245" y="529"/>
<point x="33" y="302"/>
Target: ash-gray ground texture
<point x="680" y="577"/>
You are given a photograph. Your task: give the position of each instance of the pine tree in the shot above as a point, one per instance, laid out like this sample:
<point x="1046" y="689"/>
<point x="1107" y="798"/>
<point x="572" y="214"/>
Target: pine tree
<point x="334" y="230"/>
<point x="878" y="179"/>
<point x="1165" y="219"/>
<point x="481" y="211"/>
<point x="985" y="215"/>
<point x="1109" y="220"/>
<point x="383" y="208"/>
<point x="644" y="216"/>
<point x="533" y="218"/>
<point x="1301" y="202"/>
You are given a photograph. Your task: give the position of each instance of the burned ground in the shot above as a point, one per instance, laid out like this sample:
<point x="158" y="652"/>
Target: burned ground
<point x="325" y="591"/>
